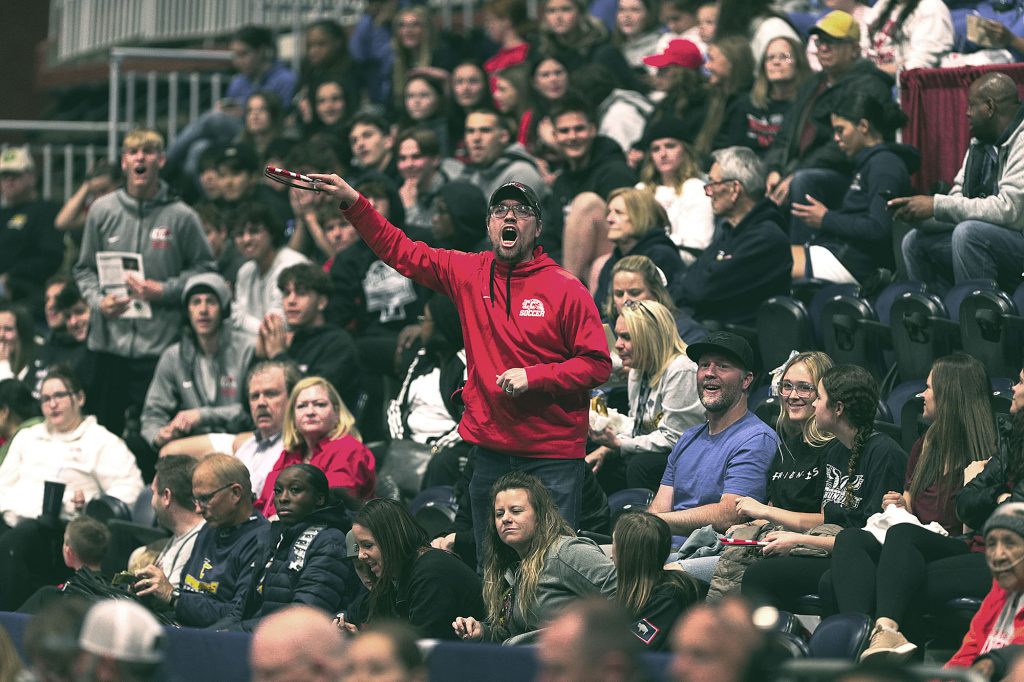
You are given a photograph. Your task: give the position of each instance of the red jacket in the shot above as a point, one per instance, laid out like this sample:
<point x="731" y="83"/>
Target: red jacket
<point x="981" y="625"/>
<point x="533" y="315"/>
<point x="347" y="463"/>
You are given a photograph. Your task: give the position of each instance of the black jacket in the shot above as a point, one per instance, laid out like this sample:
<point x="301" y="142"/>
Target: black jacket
<point x="977" y="499"/>
<point x="859" y="232"/>
<point x="329" y="352"/>
<point x="742" y="267"/>
<point x="785" y="154"/>
<point x="657" y="246"/>
<point x="304" y="563"/>
<point x="605" y="171"/>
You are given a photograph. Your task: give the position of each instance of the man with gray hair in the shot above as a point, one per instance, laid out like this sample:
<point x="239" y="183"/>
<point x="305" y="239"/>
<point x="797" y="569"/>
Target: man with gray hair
<point x="749" y="259"/>
<point x="297" y="643"/>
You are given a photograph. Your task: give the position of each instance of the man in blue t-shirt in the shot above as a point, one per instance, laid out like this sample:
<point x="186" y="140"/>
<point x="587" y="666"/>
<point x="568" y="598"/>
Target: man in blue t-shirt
<point x="716" y="463"/>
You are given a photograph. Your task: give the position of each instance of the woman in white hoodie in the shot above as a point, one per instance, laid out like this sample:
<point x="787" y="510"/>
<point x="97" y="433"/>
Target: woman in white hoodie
<point x="66" y="448"/>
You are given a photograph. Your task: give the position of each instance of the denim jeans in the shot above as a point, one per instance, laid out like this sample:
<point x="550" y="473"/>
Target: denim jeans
<point x="973" y="250"/>
<point x="562" y="477"/>
<point x="825" y="185"/>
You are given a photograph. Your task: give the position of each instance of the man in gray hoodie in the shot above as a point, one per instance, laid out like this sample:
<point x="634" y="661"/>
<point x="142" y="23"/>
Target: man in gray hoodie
<point x="141" y="218"/>
<point x="494" y="158"/>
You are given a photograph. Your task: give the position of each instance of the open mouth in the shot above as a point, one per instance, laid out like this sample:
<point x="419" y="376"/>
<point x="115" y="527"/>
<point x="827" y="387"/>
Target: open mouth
<point x="139" y="169"/>
<point x="712" y="388"/>
<point x="509" y="237"/>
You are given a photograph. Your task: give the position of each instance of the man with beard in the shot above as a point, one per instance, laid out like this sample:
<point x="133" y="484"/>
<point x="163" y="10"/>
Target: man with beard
<point x="534" y="343"/>
<point x="974" y="231"/>
<point x="716" y="463"/>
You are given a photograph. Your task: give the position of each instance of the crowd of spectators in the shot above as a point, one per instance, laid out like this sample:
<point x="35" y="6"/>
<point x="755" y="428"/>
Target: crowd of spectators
<point x="500" y="223"/>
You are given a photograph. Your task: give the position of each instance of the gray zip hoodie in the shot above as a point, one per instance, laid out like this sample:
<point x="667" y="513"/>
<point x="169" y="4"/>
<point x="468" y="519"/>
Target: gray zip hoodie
<point x="170" y="238"/>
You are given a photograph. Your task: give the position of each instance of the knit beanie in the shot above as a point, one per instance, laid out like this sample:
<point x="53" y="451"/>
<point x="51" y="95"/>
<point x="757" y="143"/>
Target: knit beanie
<point x="1009" y="516"/>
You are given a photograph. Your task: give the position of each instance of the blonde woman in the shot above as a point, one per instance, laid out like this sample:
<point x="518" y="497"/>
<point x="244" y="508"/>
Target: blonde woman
<point x="663" y="399"/>
<point x="534" y="564"/>
<point x="637" y="226"/>
<point x="320" y="430"/>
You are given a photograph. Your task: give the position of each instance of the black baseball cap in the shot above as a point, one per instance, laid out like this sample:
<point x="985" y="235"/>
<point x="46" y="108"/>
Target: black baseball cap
<point x="516" y="190"/>
<point x="726" y="343"/>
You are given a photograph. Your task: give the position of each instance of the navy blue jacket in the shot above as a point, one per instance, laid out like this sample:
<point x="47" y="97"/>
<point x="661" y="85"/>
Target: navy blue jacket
<point x="216" y="578"/>
<point x="741" y="268"/>
<point x="657" y="246"/>
<point x="859" y="232"/>
<point x="300" y="568"/>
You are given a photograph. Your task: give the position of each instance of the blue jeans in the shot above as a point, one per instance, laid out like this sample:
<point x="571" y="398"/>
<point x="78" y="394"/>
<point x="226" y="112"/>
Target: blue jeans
<point x="827" y="186"/>
<point x="973" y="250"/>
<point x="562" y="477"/>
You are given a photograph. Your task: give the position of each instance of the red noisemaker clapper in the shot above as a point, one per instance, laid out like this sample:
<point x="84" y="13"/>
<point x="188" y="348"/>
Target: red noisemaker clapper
<point x="296" y="180"/>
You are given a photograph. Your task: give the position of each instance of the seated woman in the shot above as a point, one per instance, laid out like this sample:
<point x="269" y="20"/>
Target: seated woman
<point x="783" y="70"/>
<point x="672" y="174"/>
<point x="18" y="344"/>
<point x="652" y="596"/>
<point x="907" y="34"/>
<point x="67" y="448"/>
<point x="534" y="564"/>
<point x="637" y="278"/>
<point x="304" y="561"/>
<point x="884" y="579"/>
<point x="409" y="580"/>
<point x="320" y="430"/>
<point x="850" y="243"/>
<point x="637" y="225"/>
<point x="663" y="399"/>
<point x="856" y="478"/>
<point x="730" y="67"/>
<point x="996" y="632"/>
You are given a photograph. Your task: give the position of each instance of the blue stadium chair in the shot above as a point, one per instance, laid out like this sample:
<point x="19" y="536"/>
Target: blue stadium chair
<point x="818" y="302"/>
<point x="441" y="496"/>
<point x="883" y="303"/>
<point x="888" y="428"/>
<point x="906" y="408"/>
<point x="921" y="332"/>
<point x="1002" y="395"/>
<point x="783" y="325"/>
<point x="852" y="334"/>
<point x="956" y="295"/>
<point x="991" y="330"/>
<point x="764" y="405"/>
<point x="630" y="499"/>
<point x="843" y="636"/>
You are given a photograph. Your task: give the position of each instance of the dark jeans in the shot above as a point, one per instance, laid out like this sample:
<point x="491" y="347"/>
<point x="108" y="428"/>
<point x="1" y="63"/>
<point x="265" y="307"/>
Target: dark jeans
<point x="30" y="558"/>
<point x="886" y="581"/>
<point x="641" y="470"/>
<point x="562" y="477"/>
<point x="120" y="383"/>
<point x="825" y="185"/>
<point x="972" y="250"/>
<point x="782" y="581"/>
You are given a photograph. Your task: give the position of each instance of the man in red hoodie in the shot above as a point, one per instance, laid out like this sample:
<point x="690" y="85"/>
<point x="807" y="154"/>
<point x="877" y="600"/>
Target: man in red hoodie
<point x="534" y="343"/>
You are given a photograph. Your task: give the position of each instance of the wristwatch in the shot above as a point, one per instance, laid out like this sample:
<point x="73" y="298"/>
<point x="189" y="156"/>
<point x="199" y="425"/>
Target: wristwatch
<point x="175" y="593"/>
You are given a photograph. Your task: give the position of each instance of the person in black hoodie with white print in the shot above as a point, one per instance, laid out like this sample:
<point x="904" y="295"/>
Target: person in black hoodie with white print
<point x="749" y="259"/>
<point x="849" y="243"/>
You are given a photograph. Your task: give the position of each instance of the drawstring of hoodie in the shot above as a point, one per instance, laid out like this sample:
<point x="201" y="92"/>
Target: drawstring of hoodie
<point x="508" y="288"/>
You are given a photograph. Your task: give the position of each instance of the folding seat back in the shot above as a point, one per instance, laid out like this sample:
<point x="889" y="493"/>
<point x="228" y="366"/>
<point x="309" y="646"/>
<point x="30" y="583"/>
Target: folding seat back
<point x="921" y="332"/>
<point x="988" y="333"/>
<point x="850" y="336"/>
<point x="783" y="325"/>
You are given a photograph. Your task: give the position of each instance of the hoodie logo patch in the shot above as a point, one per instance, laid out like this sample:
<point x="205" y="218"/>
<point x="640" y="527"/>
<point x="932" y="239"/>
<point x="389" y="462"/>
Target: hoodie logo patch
<point x="160" y="237"/>
<point x="532" y="307"/>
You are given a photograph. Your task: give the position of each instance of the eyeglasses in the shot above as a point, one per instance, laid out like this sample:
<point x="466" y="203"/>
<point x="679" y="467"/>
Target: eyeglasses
<point x="709" y="188"/>
<point x="203" y="501"/>
<point x="518" y="210"/>
<point x="780" y="57"/>
<point x="55" y="397"/>
<point x="802" y="389"/>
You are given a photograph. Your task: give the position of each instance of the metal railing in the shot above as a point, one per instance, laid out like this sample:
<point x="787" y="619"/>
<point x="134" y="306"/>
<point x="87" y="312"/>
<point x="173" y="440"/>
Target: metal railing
<point x="80" y="28"/>
<point x="62" y="164"/>
<point x="151" y="81"/>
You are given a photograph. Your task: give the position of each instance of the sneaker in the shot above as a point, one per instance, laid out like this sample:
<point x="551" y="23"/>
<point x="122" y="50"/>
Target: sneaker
<point x="888" y="646"/>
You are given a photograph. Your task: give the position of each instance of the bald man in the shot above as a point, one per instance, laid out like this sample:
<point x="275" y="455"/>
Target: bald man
<point x="297" y="644"/>
<point x="714" y="643"/>
<point x="590" y="640"/>
<point x="975" y="231"/>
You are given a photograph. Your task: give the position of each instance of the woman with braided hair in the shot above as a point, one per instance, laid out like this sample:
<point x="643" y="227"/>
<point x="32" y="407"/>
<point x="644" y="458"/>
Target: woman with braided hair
<point x="857" y="477"/>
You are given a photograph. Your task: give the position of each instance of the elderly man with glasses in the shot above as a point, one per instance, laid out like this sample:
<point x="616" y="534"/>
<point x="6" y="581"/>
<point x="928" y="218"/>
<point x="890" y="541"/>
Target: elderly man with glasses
<point x="217" y="575"/>
<point x="534" y="343"/>
<point x="749" y="259"/>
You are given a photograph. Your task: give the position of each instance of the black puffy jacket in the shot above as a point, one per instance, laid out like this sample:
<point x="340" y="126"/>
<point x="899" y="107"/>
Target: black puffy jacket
<point x="304" y="563"/>
<point x="977" y="500"/>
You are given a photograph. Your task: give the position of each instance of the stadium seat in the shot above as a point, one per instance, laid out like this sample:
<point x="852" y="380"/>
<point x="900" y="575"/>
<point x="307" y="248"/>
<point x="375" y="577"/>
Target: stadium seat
<point x="106" y="507"/>
<point x="852" y="334"/>
<point x="818" y="302"/>
<point x="906" y="406"/>
<point x="783" y="325"/>
<point x="843" y="636"/>
<point x="440" y="496"/>
<point x="883" y="303"/>
<point x="764" y="405"/>
<point x="990" y="330"/>
<point x="921" y="332"/>
<point x="142" y="511"/>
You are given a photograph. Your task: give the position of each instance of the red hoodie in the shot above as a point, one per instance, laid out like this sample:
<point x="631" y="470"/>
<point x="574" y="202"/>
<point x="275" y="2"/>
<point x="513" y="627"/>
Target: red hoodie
<point x="533" y="315"/>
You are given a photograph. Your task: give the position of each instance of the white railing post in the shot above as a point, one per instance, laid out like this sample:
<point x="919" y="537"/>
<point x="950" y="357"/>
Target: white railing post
<point x="151" y="88"/>
<point x="69" y="169"/>
<point x="47" y="171"/>
<point x="172" y="102"/>
<point x="193" y="96"/>
<point x="115" y="76"/>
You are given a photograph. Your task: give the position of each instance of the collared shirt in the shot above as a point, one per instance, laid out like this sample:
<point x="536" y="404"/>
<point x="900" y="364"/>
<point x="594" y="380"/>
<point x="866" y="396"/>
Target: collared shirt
<point x="259" y="455"/>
